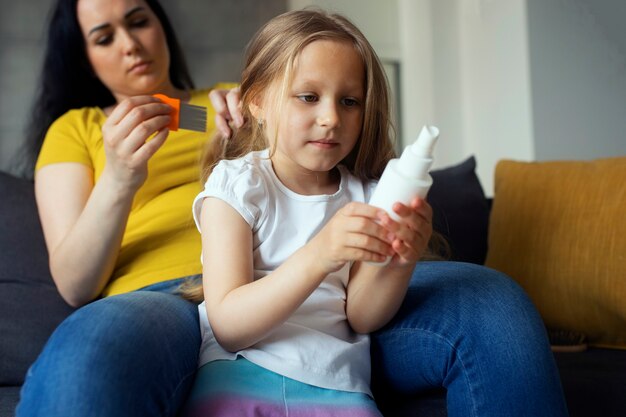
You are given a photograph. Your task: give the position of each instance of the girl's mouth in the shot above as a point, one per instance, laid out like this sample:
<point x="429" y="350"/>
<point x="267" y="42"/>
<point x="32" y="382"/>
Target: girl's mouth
<point x="324" y="144"/>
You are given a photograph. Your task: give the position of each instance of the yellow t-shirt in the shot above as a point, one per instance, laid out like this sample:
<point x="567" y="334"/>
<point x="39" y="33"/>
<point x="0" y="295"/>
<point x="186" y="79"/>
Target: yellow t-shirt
<point x="160" y="241"/>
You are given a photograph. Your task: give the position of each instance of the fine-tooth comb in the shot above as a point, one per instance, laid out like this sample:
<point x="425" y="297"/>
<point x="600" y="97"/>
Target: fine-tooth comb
<point x="185" y="116"/>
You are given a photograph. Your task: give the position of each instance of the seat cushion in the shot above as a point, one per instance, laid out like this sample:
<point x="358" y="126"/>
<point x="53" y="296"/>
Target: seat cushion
<point x="594" y="382"/>
<point x="9" y="397"/>
<point x="30" y="306"/>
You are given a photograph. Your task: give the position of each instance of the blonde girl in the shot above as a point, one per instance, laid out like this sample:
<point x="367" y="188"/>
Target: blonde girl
<point x="287" y="232"/>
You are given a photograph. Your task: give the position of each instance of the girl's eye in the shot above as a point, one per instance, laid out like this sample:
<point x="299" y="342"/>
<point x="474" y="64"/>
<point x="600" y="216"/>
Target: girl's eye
<point x="350" y="102"/>
<point x="307" y="98"/>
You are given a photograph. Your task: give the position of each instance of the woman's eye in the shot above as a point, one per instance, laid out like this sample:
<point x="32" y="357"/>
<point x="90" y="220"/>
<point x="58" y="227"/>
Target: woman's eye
<point x="104" y="40"/>
<point x="307" y="98"/>
<point x="350" y="102"/>
<point x="139" y="22"/>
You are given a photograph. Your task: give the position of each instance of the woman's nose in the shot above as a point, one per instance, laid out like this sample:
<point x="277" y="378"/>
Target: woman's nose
<point x="130" y="45"/>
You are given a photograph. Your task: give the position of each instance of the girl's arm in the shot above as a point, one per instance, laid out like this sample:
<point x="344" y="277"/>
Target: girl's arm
<point x="375" y="293"/>
<point x="83" y="223"/>
<point x="243" y="311"/>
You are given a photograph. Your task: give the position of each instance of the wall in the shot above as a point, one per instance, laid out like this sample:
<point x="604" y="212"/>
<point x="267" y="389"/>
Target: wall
<point x="517" y="79"/>
<point x="490" y="71"/>
<point x="213" y="35"/>
<point x="578" y="68"/>
<point x="20" y="58"/>
<point x="521" y="79"/>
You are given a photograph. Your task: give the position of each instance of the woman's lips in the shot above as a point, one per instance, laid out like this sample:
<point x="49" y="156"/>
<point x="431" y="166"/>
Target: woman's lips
<point x="140" y="67"/>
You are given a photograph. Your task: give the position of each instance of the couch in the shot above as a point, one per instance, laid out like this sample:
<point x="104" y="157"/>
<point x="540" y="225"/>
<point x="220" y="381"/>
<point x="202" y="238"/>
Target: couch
<point x="594" y="381"/>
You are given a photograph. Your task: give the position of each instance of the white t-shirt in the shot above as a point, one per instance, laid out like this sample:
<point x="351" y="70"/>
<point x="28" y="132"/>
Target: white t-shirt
<point x="316" y="344"/>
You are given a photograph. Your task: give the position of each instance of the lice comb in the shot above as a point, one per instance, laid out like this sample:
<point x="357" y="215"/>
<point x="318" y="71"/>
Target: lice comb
<point x="185" y="116"/>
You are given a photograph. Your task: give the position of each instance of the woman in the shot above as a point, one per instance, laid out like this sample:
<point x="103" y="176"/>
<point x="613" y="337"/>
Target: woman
<point x="114" y="189"/>
<point x="115" y="209"/>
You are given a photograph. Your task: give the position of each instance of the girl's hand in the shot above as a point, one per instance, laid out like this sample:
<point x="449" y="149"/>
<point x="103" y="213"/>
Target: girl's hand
<point x="227" y="105"/>
<point x="353" y="234"/>
<point x="411" y="235"/>
<point x="125" y="135"/>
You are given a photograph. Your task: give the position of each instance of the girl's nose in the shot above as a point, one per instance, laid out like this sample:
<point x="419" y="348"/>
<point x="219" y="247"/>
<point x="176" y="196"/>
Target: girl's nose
<point x="328" y="116"/>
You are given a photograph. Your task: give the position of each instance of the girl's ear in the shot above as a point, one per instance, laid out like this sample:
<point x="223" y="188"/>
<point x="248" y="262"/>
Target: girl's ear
<point x="256" y="110"/>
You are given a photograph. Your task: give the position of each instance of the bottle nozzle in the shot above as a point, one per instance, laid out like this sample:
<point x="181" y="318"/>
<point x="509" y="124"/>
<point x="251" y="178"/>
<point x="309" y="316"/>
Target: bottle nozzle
<point x="416" y="159"/>
<point x="425" y="143"/>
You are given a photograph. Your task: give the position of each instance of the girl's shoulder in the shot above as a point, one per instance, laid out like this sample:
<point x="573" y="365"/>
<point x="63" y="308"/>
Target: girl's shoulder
<point x="247" y="171"/>
<point x="251" y="162"/>
<point x="242" y="183"/>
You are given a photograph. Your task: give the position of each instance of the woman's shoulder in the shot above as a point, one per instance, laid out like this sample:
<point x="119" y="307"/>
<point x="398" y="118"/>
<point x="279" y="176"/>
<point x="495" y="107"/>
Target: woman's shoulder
<point x="82" y="118"/>
<point x="83" y="123"/>
<point x="201" y="96"/>
<point x="72" y="137"/>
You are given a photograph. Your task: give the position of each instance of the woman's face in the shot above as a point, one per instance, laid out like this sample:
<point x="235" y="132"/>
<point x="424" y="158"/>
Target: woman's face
<point x="126" y="46"/>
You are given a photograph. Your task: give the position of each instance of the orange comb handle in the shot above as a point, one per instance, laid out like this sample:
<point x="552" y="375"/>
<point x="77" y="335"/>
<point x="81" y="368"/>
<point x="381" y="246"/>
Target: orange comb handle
<point x="175" y="103"/>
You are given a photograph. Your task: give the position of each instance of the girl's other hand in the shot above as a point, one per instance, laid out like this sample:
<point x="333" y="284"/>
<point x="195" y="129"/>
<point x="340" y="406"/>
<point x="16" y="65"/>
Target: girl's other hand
<point x="352" y="234"/>
<point x="127" y="143"/>
<point x="411" y="235"/>
<point x="227" y="105"/>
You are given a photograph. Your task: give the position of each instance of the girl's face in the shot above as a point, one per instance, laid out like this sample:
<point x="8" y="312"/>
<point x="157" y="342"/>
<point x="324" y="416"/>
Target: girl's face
<point x="322" y="118"/>
<point x="126" y="46"/>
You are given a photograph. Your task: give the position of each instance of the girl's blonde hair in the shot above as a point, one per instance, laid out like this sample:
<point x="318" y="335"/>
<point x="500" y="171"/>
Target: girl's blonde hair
<point x="269" y="62"/>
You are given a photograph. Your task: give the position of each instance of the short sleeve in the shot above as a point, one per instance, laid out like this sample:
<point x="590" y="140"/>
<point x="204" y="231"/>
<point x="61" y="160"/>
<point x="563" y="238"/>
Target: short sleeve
<point x="68" y="138"/>
<point x="241" y="185"/>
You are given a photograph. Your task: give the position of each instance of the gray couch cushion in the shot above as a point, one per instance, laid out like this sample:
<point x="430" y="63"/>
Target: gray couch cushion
<point x="30" y="306"/>
<point x="9" y="397"/>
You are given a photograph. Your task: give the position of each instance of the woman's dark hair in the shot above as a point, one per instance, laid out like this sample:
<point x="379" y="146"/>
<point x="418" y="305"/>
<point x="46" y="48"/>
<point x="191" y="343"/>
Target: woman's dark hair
<point x="67" y="81"/>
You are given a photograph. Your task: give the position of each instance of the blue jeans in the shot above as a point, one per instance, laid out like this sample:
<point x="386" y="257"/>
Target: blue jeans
<point x="133" y="354"/>
<point x="473" y="331"/>
<point x="464" y="327"/>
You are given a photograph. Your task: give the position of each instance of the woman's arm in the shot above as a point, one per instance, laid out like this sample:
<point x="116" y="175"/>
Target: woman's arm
<point x="83" y="226"/>
<point x="83" y="222"/>
<point x="375" y="293"/>
<point x="243" y="311"/>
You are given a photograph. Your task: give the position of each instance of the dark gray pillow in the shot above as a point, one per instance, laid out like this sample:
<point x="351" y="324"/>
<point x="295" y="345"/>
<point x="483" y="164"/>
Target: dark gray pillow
<point x="30" y="306"/>
<point x="461" y="211"/>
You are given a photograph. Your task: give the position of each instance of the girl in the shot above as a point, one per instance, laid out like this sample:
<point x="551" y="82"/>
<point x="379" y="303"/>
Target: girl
<point x="287" y="235"/>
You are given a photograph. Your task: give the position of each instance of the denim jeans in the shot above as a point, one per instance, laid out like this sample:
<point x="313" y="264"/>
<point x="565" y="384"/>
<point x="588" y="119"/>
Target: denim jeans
<point x="464" y="327"/>
<point x="133" y="354"/>
<point x="473" y="331"/>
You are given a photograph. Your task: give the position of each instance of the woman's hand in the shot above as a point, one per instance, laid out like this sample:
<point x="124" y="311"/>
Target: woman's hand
<point x="227" y="105"/>
<point x="411" y="235"/>
<point x="353" y="234"/>
<point x="127" y="138"/>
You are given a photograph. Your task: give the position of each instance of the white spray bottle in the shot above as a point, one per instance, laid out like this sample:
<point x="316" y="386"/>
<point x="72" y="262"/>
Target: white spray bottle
<point x="406" y="177"/>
